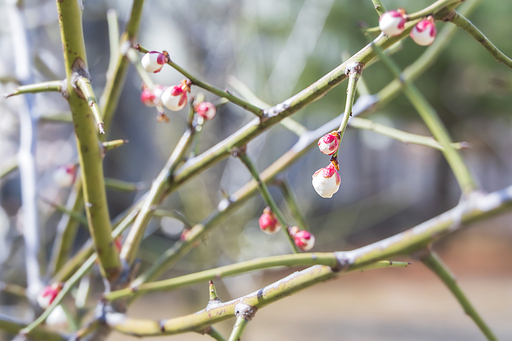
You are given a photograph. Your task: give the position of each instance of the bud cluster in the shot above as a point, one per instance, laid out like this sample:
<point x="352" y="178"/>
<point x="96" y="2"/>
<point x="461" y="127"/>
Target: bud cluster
<point x="392" y="23"/>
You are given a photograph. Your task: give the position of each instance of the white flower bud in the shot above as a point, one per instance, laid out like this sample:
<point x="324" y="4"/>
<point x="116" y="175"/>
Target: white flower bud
<point x="174" y="98"/>
<point x="326" y="181"/>
<point x="206" y="110"/>
<point x="153" y="61"/>
<point x="64" y="176"/>
<point x="304" y="240"/>
<point x="424" y="33"/>
<point x="392" y="23"/>
<point x="329" y="143"/>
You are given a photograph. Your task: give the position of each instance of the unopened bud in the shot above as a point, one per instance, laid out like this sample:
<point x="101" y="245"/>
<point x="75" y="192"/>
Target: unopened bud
<point x="64" y="176"/>
<point x="424" y="33"/>
<point x="303" y="239"/>
<point x="326" y="181"/>
<point x="174" y="98"/>
<point x="153" y="61"/>
<point x="392" y="23"/>
<point x="48" y="294"/>
<point x="206" y="110"/>
<point x="329" y="143"/>
<point x="152" y="97"/>
<point x="268" y="222"/>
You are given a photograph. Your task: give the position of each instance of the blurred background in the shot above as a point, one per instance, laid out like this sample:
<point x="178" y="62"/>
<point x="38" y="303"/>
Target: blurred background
<point x="277" y="48"/>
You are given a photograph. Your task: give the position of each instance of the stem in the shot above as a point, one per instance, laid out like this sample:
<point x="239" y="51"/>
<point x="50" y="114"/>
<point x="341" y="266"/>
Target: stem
<point x="125" y="186"/>
<point x="299" y="259"/>
<point x="84" y="84"/>
<point x="238" y="329"/>
<point x="468" y="26"/>
<point x="432" y="9"/>
<point x="262" y="187"/>
<point x="13" y="289"/>
<point x="36" y="88"/>
<point x="173" y="214"/>
<point x="132" y="242"/>
<point x="292" y="204"/>
<point x="113" y="39"/>
<point x="379" y="7"/>
<point x="434" y="263"/>
<point x="405" y="137"/>
<point x="221" y="93"/>
<point x="353" y="77"/>
<point x="437" y="128"/>
<point x="73" y="214"/>
<point x="215" y="334"/>
<point x="12" y="326"/>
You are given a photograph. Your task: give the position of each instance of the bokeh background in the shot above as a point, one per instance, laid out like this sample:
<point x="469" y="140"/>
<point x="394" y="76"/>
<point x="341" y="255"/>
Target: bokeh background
<point x="277" y="48"/>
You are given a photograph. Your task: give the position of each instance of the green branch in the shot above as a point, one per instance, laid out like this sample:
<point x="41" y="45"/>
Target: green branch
<point x="462" y="22"/>
<point x="12" y="326"/>
<point x="84" y="84"/>
<point x="379" y="7"/>
<point x="262" y="187"/>
<point x="433" y="9"/>
<point x="238" y="329"/>
<point x="292" y="204"/>
<point x="434" y="263"/>
<point x="54" y="86"/>
<point x="354" y="71"/>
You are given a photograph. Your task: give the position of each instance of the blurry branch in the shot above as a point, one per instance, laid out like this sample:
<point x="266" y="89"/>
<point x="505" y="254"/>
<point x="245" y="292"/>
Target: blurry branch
<point x="379" y="7"/>
<point x="224" y="311"/>
<point x="35" y="88"/>
<point x="109" y="145"/>
<point x="215" y="334"/>
<point x="461" y="21"/>
<point x="434" y="263"/>
<point x="353" y="71"/>
<point x="59" y="118"/>
<point x="262" y="188"/>
<point x="113" y="39"/>
<point x="12" y="326"/>
<point x="292" y="204"/>
<point x="125" y="186"/>
<point x="433" y="9"/>
<point x="405" y="137"/>
<point x="173" y="214"/>
<point x="302" y="259"/>
<point x="436" y="127"/>
<point x="73" y="214"/>
<point x="9" y="166"/>
<point x="221" y="93"/>
<point x="13" y="289"/>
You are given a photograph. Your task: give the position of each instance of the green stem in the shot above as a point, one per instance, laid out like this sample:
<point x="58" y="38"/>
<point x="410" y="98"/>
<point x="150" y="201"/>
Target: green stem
<point x="134" y="59"/>
<point x="215" y="334"/>
<point x="238" y="329"/>
<point x="70" y="20"/>
<point x="13" y="289"/>
<point x="435" y="125"/>
<point x="12" y="326"/>
<point x="468" y="26"/>
<point x="405" y="137"/>
<point x="113" y="39"/>
<point x="84" y="84"/>
<point x="353" y="77"/>
<point x="262" y="187"/>
<point x="221" y="93"/>
<point x="379" y="7"/>
<point x="292" y="204"/>
<point x="109" y="145"/>
<point x="432" y="9"/>
<point x="125" y="186"/>
<point x="299" y="259"/>
<point x="173" y="214"/>
<point x="434" y="263"/>
<point x="73" y="214"/>
<point x="54" y="86"/>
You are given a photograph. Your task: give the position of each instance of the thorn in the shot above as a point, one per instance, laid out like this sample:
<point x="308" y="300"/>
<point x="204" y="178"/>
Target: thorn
<point x="212" y="291"/>
<point x="101" y="128"/>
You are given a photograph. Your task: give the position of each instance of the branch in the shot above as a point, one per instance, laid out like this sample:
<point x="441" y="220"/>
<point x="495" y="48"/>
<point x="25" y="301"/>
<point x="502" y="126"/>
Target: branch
<point x="462" y="22"/>
<point x="84" y="84"/>
<point x="36" y="88"/>
<point x="292" y="204"/>
<point x="353" y="71"/>
<point x="379" y="7"/>
<point x="12" y="326"/>
<point x="238" y="329"/>
<point x="434" y="263"/>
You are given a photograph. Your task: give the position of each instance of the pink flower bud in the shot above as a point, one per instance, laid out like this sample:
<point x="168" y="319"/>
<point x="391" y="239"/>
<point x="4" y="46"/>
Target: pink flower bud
<point x="326" y="181"/>
<point x="206" y="110"/>
<point x="174" y="98"/>
<point x="48" y="294"/>
<point x="268" y="222"/>
<point x="424" y="32"/>
<point x="329" y="143"/>
<point x="392" y="23"/>
<point x="303" y="239"/>
<point x="153" y="61"/>
<point x="64" y="176"/>
<point x="152" y="97"/>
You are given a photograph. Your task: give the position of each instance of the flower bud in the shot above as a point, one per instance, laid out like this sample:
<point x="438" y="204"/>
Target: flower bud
<point x="268" y="222"/>
<point x="64" y="176"/>
<point x="326" y="181"/>
<point x="206" y="110"/>
<point x="153" y="61"/>
<point x="303" y="239"/>
<point x="57" y="317"/>
<point x="392" y="23"/>
<point x="152" y="97"/>
<point x="424" y="32"/>
<point x="48" y="294"/>
<point x="329" y="143"/>
<point x="174" y="98"/>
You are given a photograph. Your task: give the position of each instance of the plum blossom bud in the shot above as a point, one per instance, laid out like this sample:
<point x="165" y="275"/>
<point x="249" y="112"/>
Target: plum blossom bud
<point x="153" y="61"/>
<point x="392" y="23"/>
<point x="64" y="176"/>
<point x="174" y="98"/>
<point x="48" y="294"/>
<point x="303" y="239"/>
<point x="329" y="143"/>
<point x="206" y="110"/>
<point x="326" y="181"/>
<point x="152" y="97"/>
<point x="268" y="222"/>
<point x="424" y="32"/>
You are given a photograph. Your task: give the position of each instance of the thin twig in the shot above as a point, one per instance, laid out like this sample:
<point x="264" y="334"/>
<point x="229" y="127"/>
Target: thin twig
<point x="13" y="326"/>
<point x="292" y="204"/>
<point x="36" y="88"/>
<point x="379" y="7"/>
<point x="238" y="329"/>
<point x="85" y="86"/>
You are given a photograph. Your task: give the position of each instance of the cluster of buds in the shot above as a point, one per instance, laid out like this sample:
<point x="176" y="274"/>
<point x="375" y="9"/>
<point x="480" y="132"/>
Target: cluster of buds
<point x="65" y="175"/>
<point x="326" y="181"/>
<point x="268" y="221"/>
<point x="303" y="239"/>
<point x="48" y="294"/>
<point x="154" y="61"/>
<point x="392" y="23"/>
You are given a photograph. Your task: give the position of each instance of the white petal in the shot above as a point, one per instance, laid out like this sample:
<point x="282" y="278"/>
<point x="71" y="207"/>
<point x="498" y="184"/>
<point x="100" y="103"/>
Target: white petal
<point x="172" y="102"/>
<point x="149" y="62"/>
<point x="325" y="187"/>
